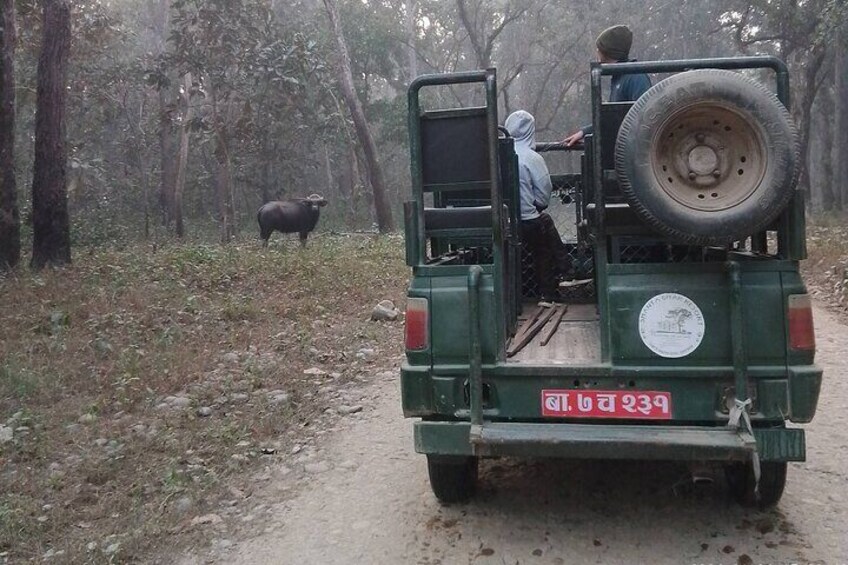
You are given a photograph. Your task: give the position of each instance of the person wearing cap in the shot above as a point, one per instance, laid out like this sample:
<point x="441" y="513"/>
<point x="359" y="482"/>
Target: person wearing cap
<point x="614" y="47"/>
<point x="537" y="227"/>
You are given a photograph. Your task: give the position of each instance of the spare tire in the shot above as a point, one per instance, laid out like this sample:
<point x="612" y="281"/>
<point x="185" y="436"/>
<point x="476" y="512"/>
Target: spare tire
<point x="707" y="157"/>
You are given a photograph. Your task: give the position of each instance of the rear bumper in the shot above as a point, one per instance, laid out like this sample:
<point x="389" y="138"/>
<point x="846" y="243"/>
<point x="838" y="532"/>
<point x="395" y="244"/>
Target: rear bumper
<point x="512" y="392"/>
<point x="804" y="388"/>
<point x="590" y="441"/>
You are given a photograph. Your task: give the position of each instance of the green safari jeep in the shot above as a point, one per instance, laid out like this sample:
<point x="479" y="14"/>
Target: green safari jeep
<point x="688" y="334"/>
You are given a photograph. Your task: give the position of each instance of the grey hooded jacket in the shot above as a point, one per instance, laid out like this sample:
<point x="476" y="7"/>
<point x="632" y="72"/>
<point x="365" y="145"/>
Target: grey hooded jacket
<point x="533" y="175"/>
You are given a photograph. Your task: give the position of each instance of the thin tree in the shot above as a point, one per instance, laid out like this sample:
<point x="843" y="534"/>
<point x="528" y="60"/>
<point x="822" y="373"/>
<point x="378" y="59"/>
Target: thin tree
<point x="841" y="125"/>
<point x="827" y="187"/>
<point x="167" y="142"/>
<point x="10" y="222"/>
<point x="51" y="229"/>
<point x="385" y="221"/>
<point x="483" y="29"/>
<point x="182" y="160"/>
<point x="412" y="36"/>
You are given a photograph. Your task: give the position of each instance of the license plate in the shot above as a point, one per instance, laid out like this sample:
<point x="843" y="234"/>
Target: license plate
<point x="641" y="405"/>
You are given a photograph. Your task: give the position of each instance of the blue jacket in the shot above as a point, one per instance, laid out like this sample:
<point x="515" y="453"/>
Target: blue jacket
<point x="625" y="88"/>
<point x="629" y="88"/>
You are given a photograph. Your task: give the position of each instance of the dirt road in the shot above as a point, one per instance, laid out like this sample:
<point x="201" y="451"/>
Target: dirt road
<point x="372" y="502"/>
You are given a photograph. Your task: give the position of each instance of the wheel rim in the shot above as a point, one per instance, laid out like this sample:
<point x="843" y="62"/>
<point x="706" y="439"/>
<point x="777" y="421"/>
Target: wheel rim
<point x="708" y="157"/>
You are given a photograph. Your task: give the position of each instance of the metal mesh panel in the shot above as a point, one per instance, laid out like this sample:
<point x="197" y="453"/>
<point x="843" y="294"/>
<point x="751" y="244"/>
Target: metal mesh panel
<point x="638" y="254"/>
<point x="565" y="219"/>
<point x="583" y="265"/>
<point x="563" y="211"/>
<point x="563" y="205"/>
<point x="640" y="250"/>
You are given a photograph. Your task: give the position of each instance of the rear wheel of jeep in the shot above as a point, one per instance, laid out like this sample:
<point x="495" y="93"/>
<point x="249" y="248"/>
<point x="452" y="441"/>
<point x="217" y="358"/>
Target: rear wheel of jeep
<point x="707" y="157"/>
<point x="740" y="480"/>
<point x="452" y="478"/>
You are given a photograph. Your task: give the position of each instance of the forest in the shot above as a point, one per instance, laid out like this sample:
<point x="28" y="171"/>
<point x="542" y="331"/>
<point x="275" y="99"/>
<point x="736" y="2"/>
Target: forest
<point x="181" y="117"/>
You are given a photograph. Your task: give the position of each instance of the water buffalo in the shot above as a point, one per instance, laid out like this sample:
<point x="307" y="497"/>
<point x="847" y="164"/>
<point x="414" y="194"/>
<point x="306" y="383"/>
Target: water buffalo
<point x="290" y="216"/>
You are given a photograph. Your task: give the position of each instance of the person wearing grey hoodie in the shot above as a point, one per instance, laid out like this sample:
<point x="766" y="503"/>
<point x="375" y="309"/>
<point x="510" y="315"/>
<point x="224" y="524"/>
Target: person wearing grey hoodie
<point x="537" y="227"/>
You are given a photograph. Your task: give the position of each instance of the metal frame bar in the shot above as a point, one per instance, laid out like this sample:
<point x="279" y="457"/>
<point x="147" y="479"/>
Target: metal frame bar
<point x="498" y="241"/>
<point x="601" y="244"/>
<point x="475" y="373"/>
<point x="726" y="63"/>
<point x="737" y="331"/>
<point x="415" y="150"/>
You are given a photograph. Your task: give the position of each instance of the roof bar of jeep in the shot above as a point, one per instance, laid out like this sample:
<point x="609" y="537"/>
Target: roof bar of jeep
<point x="727" y="63"/>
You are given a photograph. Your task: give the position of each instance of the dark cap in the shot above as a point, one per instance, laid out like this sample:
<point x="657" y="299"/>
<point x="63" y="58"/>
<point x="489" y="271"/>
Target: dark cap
<point x="615" y="42"/>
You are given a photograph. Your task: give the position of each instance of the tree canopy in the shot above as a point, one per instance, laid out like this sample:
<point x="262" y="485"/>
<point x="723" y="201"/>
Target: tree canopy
<point x="185" y="115"/>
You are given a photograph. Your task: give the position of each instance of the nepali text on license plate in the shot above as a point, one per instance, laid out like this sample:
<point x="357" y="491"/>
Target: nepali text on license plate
<point x="641" y="405"/>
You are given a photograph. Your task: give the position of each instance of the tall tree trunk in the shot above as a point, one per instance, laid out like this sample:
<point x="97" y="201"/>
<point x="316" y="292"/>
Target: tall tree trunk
<point x="470" y="26"/>
<point x="223" y="187"/>
<point x="328" y="169"/>
<point x="364" y="198"/>
<point x="51" y="228"/>
<point x="346" y="181"/>
<point x="143" y="170"/>
<point x="139" y="153"/>
<point x="167" y="142"/>
<point x="267" y="173"/>
<point x="382" y="207"/>
<point x="222" y="176"/>
<point x="168" y="164"/>
<point x="841" y="126"/>
<point x="803" y="116"/>
<point x="182" y="159"/>
<point x="412" y="37"/>
<point x="10" y="221"/>
<point x="828" y="188"/>
<point x="145" y="191"/>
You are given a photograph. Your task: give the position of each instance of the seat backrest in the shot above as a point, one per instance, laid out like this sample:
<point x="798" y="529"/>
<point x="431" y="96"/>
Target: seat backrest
<point x="466" y="217"/>
<point x="455" y="150"/>
<point x="456" y="170"/>
<point x="612" y="115"/>
<point x="620" y="217"/>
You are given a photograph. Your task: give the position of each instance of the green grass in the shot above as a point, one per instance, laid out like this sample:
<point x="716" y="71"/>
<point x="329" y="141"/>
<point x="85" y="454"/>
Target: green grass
<point x="16" y="381"/>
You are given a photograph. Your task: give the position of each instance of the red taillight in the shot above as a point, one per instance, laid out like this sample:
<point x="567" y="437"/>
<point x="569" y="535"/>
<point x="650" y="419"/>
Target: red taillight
<point x="802" y="336"/>
<point x="417" y="330"/>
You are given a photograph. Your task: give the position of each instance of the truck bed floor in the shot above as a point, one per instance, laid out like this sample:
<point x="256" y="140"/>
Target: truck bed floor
<point x="576" y="342"/>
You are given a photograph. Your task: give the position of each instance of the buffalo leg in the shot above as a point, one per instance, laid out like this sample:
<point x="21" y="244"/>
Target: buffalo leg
<point x="303" y="236"/>
<point x="265" y="237"/>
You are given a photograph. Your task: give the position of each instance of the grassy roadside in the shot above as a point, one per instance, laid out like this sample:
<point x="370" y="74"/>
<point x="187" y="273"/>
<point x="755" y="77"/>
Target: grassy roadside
<point x="826" y="269"/>
<point x="134" y="384"/>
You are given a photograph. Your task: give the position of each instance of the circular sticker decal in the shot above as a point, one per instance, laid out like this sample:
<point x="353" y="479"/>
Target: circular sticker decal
<point x="671" y="325"/>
